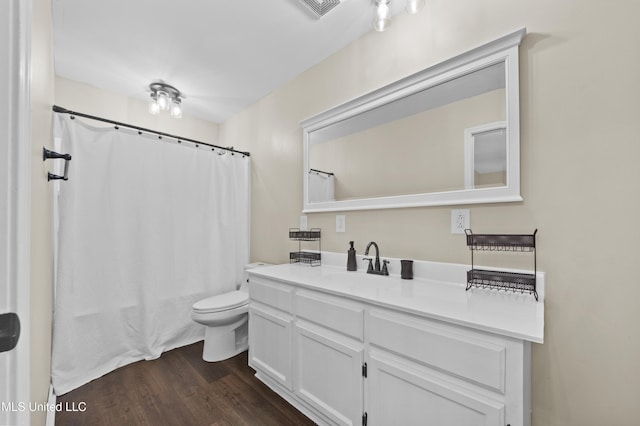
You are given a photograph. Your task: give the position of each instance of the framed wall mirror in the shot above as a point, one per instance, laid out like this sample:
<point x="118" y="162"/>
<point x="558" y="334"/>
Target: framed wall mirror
<point x="449" y="134"/>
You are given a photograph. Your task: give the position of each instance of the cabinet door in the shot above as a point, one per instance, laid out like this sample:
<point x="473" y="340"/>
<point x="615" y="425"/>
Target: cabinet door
<point x="400" y="393"/>
<point x="329" y="372"/>
<point x="270" y="343"/>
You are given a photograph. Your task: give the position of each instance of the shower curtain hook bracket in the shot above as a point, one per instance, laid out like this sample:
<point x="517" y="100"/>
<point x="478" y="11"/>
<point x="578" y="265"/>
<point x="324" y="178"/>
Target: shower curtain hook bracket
<point x="47" y="154"/>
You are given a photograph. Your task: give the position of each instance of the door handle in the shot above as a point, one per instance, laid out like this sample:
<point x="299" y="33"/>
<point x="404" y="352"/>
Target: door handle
<point x="9" y="331"/>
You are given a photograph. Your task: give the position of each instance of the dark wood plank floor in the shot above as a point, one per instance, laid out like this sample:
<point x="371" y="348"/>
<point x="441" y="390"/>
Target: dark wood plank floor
<point x="179" y="388"/>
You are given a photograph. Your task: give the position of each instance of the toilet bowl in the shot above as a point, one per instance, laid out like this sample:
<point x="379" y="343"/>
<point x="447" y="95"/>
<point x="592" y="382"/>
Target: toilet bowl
<point x="226" y="319"/>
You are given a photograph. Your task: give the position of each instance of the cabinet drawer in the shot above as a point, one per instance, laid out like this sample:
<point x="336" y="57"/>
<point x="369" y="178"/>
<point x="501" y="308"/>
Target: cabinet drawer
<point x="472" y="356"/>
<point x="272" y="293"/>
<point x="335" y="313"/>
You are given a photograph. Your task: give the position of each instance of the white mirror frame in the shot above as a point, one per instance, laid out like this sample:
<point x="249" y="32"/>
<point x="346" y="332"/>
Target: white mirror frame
<point x="503" y="49"/>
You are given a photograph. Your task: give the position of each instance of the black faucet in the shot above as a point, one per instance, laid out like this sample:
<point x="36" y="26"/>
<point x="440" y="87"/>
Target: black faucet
<point x="375" y="269"/>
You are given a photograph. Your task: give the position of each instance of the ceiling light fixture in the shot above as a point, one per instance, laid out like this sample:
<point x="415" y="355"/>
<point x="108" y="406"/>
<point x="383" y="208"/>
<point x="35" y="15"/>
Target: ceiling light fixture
<point x="382" y="19"/>
<point x="165" y="97"/>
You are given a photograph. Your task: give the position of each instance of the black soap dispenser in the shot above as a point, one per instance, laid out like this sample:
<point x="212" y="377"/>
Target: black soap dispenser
<point x="352" y="264"/>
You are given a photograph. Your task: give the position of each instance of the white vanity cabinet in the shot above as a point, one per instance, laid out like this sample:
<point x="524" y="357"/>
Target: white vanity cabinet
<point x="270" y="341"/>
<point x="350" y="361"/>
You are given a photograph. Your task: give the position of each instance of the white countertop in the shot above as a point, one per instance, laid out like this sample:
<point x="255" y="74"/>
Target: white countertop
<point x="437" y="291"/>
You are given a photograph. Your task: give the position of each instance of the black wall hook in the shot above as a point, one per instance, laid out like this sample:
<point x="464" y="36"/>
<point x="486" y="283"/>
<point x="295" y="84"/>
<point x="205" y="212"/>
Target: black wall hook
<point x="47" y="154"/>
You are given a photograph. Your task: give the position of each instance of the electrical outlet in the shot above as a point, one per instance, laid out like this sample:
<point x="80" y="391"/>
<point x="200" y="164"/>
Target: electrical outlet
<point x="460" y="220"/>
<point x="341" y="223"/>
<point x="303" y="223"/>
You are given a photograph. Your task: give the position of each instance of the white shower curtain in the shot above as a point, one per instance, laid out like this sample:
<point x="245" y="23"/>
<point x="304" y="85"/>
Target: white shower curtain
<point x="146" y="228"/>
<point x="321" y="187"/>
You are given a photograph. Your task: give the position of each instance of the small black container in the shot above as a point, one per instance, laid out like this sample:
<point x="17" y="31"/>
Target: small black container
<point x="352" y="264"/>
<point x="406" y="269"/>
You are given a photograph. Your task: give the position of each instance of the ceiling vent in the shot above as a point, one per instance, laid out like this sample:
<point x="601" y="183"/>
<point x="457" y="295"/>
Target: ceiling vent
<point x="319" y="8"/>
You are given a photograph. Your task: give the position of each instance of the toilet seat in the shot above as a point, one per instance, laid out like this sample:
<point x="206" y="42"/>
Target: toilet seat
<point x="221" y="302"/>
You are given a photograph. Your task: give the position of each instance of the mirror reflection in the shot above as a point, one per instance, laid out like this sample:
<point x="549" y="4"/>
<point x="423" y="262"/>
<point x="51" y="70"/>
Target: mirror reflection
<point x="416" y="145"/>
<point x="486" y="156"/>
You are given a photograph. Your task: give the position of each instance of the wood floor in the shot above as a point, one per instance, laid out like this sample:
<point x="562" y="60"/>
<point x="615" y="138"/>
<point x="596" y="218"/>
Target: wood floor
<point x="179" y="388"/>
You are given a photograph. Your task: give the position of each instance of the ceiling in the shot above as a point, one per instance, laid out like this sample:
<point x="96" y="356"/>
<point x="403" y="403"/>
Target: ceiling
<point x="223" y="55"/>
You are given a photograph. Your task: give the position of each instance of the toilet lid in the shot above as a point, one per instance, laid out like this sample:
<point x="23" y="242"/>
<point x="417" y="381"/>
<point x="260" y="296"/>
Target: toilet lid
<point x="222" y="302"/>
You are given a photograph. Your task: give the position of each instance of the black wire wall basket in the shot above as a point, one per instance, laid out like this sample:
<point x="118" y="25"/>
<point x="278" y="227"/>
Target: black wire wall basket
<point x="501" y="242"/>
<point x="501" y="280"/>
<point x="308" y="257"/>
<point x="298" y="235"/>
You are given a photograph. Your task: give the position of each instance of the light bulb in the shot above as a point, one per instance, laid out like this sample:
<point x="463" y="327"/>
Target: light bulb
<point x="383" y="10"/>
<point x="414" y="6"/>
<point x="153" y="105"/>
<point x="163" y="100"/>
<point x="176" y="108"/>
<point x="381" y="21"/>
<point x="381" y="24"/>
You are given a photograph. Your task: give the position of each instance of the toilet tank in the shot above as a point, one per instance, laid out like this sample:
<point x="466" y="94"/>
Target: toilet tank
<point x="245" y="277"/>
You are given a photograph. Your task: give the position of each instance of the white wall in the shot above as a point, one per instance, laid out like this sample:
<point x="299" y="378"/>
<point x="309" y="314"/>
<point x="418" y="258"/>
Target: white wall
<point x="580" y="150"/>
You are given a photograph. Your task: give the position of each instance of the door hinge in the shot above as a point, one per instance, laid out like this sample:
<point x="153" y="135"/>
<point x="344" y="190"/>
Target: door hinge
<point x="364" y="370"/>
<point x="364" y="419"/>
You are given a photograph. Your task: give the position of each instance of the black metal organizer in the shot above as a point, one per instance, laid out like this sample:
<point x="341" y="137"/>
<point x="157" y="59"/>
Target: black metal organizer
<point x="312" y="258"/>
<point x="514" y="281"/>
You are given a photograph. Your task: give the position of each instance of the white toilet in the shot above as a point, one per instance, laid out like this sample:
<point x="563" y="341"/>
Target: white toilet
<point x="226" y="318"/>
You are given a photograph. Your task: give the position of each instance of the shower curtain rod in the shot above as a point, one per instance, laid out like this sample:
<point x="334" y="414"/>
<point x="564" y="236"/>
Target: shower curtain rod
<point x="62" y="110"/>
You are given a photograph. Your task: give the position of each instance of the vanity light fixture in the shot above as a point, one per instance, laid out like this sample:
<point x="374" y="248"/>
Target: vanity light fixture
<point x="382" y="18"/>
<point x="165" y="97"/>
